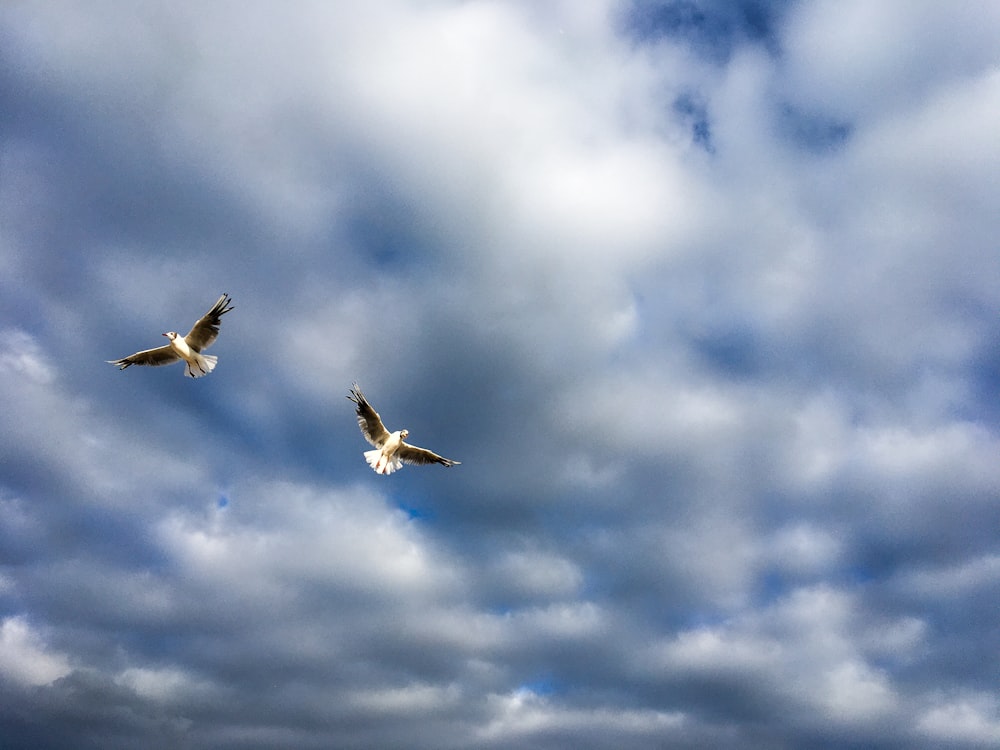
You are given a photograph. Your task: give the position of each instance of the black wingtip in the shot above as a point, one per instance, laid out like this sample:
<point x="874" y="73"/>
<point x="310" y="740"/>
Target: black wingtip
<point x="356" y="395"/>
<point x="224" y="304"/>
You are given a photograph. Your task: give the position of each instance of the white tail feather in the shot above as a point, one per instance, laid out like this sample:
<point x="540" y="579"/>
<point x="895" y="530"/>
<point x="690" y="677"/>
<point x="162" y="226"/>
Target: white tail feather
<point x="203" y="364"/>
<point x="379" y="464"/>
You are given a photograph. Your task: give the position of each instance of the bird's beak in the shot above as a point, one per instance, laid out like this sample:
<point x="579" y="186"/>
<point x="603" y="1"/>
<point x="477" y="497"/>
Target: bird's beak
<point x="163" y="334"/>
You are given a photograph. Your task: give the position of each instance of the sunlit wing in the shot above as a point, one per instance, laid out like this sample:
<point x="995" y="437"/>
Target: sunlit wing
<point x="411" y="454"/>
<point x="206" y="330"/>
<point x="162" y="355"/>
<point x="368" y="419"/>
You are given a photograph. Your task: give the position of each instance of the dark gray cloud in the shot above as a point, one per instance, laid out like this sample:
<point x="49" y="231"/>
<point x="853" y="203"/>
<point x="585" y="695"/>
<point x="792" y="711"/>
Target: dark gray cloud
<point x="703" y="296"/>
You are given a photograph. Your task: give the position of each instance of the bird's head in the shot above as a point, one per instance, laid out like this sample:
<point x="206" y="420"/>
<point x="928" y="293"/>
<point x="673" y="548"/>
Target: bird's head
<point x="171" y="335"/>
<point x="404" y="433"/>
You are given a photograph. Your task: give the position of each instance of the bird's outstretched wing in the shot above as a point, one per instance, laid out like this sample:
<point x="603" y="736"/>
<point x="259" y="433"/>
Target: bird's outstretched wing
<point x="411" y="454"/>
<point x="162" y="355"/>
<point x="368" y="419"/>
<point x="206" y="330"/>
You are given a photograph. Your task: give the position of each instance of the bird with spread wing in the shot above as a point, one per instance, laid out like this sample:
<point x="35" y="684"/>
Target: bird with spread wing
<point x="390" y="451"/>
<point x="187" y="348"/>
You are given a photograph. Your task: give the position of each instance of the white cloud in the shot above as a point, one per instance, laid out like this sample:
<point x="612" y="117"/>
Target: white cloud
<point x="973" y="718"/>
<point x="419" y="699"/>
<point x="958" y="454"/>
<point x="539" y="573"/>
<point x="24" y="656"/>
<point x="650" y="412"/>
<point x="961" y="579"/>
<point x="855" y="691"/>
<point x="861" y="58"/>
<point x="800" y="651"/>
<point x="524" y="713"/>
<point x="804" y="548"/>
<point x="347" y="539"/>
<point x="562" y="621"/>
<point x="165" y="685"/>
<point x="21" y="357"/>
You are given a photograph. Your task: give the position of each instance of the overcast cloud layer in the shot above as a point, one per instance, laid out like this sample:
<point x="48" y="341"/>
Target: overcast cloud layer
<point x="704" y="295"/>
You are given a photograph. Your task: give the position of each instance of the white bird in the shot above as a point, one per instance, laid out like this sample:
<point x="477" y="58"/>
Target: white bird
<point x="188" y="348"/>
<point x="390" y="451"/>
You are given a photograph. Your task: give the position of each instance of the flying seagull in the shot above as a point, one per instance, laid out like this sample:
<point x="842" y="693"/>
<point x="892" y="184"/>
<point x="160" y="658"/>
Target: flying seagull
<point x="187" y="348"/>
<point x="390" y="451"/>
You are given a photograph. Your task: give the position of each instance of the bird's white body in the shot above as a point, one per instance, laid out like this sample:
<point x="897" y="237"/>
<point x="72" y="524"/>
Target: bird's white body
<point x="385" y="460"/>
<point x="197" y="364"/>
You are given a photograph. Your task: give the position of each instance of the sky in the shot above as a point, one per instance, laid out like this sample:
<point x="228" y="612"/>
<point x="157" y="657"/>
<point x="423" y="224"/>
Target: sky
<point x="704" y="296"/>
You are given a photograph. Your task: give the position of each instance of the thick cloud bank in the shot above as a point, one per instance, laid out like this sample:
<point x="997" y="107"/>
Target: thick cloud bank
<point x="705" y="297"/>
